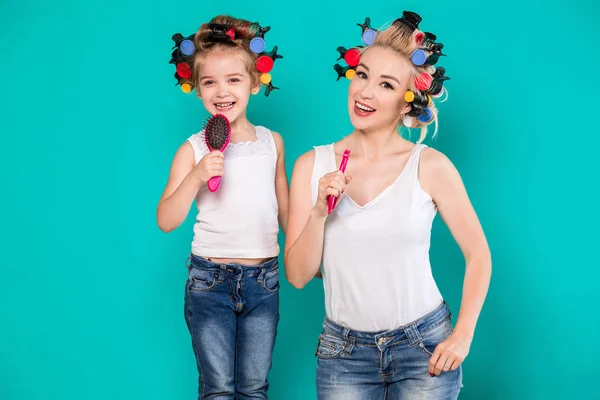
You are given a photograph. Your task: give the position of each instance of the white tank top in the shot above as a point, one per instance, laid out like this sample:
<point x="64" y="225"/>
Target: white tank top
<point x="240" y="219"/>
<point x="376" y="271"/>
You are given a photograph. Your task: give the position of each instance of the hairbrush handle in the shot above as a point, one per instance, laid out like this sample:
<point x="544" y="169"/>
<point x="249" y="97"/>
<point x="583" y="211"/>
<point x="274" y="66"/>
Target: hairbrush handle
<point x="217" y="134"/>
<point x="214" y="183"/>
<point x="332" y="200"/>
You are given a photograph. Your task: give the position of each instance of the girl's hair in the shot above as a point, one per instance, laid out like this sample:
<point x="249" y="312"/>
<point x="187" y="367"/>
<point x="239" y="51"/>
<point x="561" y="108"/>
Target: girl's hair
<point x="205" y="43"/>
<point x="405" y="40"/>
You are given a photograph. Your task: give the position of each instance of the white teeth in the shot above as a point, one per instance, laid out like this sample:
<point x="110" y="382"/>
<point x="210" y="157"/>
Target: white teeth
<point x="364" y="108"/>
<point x="223" y="105"/>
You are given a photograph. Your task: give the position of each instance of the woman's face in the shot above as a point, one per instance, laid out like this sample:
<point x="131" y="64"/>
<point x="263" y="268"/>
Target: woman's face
<point x="376" y="93"/>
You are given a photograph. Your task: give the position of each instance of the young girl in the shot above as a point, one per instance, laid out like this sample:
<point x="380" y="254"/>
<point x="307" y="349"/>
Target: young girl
<point x="387" y="332"/>
<point x="231" y="295"/>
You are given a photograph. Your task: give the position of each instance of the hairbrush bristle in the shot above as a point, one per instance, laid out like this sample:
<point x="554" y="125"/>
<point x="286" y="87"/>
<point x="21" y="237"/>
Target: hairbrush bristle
<point x="217" y="132"/>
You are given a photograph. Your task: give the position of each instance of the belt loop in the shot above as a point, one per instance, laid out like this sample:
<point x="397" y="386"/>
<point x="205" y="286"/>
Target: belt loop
<point x="345" y="333"/>
<point x="222" y="272"/>
<point x="261" y="275"/>
<point x="413" y="334"/>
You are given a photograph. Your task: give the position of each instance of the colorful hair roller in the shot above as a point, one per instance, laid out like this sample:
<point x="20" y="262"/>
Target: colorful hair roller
<point x="419" y="37"/>
<point x="185" y="84"/>
<point x="258" y="45"/>
<point x="429" y="51"/>
<point x="429" y="40"/>
<point x="181" y="57"/>
<point x="419" y="106"/>
<point x="437" y="85"/>
<point x="344" y="72"/>
<point x="184" y="70"/>
<point x="351" y="56"/>
<point x="426" y="116"/>
<point x="185" y="45"/>
<point x="186" y="87"/>
<point x="421" y="57"/>
<point x="266" y="59"/>
<point x="185" y="49"/>
<point x="436" y="89"/>
<point x="265" y="62"/>
<point x="423" y="81"/>
<point x="221" y="33"/>
<point x="418" y="103"/>
<point x="410" y="19"/>
<point x="368" y="34"/>
<point x="265" y="78"/>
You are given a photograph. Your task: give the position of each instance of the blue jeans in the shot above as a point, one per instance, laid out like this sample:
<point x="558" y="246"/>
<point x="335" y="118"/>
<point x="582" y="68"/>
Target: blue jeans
<point x="385" y="365"/>
<point x="232" y="312"/>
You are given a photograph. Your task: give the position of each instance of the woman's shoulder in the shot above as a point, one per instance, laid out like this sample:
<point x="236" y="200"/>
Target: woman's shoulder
<point x="436" y="171"/>
<point x="433" y="160"/>
<point x="308" y="158"/>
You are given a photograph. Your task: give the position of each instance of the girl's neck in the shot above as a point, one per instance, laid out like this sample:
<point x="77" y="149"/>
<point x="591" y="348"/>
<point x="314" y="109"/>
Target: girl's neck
<point x="242" y="130"/>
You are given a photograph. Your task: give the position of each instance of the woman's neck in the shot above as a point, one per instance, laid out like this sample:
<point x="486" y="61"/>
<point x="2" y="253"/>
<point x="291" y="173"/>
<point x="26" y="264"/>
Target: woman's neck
<point x="376" y="144"/>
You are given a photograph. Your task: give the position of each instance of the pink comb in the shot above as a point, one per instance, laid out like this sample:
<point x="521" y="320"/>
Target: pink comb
<point x="332" y="200"/>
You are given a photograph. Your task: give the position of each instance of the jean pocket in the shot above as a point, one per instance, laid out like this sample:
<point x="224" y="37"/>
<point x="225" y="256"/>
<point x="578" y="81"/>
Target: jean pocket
<point x="270" y="281"/>
<point x="330" y="347"/>
<point x="430" y="339"/>
<point x="200" y="280"/>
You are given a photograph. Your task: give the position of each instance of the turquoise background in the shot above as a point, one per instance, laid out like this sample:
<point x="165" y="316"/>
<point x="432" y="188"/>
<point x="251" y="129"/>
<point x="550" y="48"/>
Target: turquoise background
<point x="91" y="291"/>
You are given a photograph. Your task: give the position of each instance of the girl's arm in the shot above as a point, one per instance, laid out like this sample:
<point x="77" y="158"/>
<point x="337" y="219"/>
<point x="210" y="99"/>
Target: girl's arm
<point x="281" y="183"/>
<point x="184" y="181"/>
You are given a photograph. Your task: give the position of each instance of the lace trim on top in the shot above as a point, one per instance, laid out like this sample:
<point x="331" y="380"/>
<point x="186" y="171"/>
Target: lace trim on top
<point x="261" y="146"/>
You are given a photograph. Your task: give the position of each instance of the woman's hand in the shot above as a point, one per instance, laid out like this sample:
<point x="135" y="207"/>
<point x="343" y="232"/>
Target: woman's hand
<point x="449" y="354"/>
<point x="332" y="184"/>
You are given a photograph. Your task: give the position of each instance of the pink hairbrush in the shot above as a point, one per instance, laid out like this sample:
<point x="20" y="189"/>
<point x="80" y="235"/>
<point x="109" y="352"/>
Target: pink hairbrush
<point x="217" y="134"/>
<point x="332" y="200"/>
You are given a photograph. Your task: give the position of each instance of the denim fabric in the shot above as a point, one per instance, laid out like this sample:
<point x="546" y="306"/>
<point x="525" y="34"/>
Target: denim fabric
<point x="385" y="365"/>
<point x="232" y="312"/>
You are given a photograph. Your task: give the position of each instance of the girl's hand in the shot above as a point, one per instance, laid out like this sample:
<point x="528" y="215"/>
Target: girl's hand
<point x="210" y="165"/>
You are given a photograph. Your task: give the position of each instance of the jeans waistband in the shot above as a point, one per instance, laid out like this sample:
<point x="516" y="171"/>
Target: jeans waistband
<point x="407" y="332"/>
<point x="233" y="270"/>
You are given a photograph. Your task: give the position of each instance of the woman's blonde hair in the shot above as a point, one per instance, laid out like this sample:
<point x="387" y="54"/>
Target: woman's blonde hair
<point x="405" y="39"/>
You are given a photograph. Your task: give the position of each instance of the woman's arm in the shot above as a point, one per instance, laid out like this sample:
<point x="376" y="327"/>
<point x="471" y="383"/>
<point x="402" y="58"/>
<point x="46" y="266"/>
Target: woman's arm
<point x="306" y="225"/>
<point x="441" y="180"/>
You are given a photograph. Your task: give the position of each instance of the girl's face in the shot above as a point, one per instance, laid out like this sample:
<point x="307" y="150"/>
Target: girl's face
<point x="376" y="93"/>
<point x="225" y="84"/>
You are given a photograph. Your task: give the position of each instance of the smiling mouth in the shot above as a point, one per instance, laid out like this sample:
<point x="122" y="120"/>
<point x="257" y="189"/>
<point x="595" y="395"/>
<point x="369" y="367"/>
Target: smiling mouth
<point x="225" y="106"/>
<point x="363" y="109"/>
